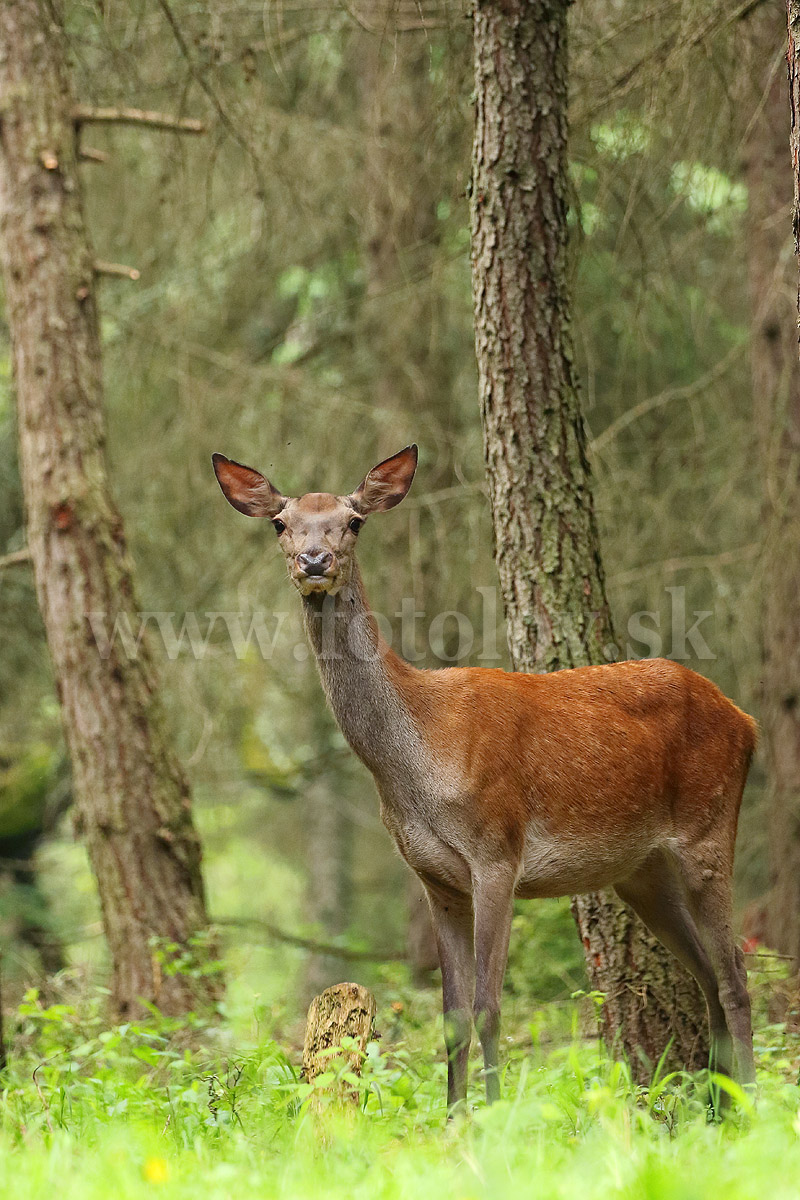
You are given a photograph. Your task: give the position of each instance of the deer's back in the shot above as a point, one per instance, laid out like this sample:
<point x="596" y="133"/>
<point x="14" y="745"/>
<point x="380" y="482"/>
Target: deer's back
<point x="643" y="749"/>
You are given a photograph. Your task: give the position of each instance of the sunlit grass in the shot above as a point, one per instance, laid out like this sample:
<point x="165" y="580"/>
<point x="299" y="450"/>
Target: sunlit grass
<point x="156" y="1109"/>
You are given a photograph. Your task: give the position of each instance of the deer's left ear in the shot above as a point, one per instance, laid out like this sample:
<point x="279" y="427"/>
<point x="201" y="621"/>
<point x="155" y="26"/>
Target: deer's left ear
<point x="247" y="490"/>
<point x="387" y="484"/>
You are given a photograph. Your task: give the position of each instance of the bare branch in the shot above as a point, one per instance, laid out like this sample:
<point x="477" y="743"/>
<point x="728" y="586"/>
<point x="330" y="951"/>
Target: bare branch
<point x="15" y="559"/>
<point x="412" y="25"/>
<point x="685" y="392"/>
<point x="84" y="114"/>
<point x="90" y="154"/>
<point x="203" y="83"/>
<point x="118" y="269"/>
<point x="669" y="566"/>
<point x="675" y="43"/>
<point x="458" y="492"/>
<point x="304" y="943"/>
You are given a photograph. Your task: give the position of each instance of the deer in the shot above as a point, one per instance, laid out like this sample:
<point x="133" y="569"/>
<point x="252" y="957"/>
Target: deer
<point x="496" y="785"/>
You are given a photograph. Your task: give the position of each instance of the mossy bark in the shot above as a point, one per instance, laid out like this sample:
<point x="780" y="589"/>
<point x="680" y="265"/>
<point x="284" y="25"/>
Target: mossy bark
<point x="546" y="541"/>
<point x="132" y="798"/>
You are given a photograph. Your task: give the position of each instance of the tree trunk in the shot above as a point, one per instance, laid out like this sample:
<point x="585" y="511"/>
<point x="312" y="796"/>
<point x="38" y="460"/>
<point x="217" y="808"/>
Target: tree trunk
<point x="776" y="395"/>
<point x="330" y="876"/>
<point x="398" y="238"/>
<point x="546" y="542"/>
<point x="133" y="801"/>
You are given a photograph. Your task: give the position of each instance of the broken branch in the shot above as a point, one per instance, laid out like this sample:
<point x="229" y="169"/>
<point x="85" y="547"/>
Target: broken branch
<point x="118" y="269"/>
<point x="84" y="114"/>
<point x="90" y="154"/>
<point x="13" y="560"/>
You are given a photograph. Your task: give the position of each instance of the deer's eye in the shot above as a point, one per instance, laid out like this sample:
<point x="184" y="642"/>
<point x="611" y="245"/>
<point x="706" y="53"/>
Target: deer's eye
<point x="355" y="524"/>
<point x="279" y="527"/>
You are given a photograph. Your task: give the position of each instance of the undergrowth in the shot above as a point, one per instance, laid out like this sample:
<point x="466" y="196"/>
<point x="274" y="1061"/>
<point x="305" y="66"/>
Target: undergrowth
<point x="168" y="1108"/>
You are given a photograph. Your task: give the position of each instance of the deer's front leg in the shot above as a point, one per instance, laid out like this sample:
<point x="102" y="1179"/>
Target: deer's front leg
<point x="453" y="926"/>
<point x="493" y="898"/>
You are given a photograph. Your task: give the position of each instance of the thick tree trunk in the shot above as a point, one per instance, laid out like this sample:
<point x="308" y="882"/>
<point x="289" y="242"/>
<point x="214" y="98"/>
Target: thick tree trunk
<point x="133" y="801"/>
<point x="546" y="542"/>
<point x="776" y="396"/>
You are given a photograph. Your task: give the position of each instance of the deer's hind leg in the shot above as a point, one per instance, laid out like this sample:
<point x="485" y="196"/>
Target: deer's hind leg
<point x="656" y="892"/>
<point x="709" y="896"/>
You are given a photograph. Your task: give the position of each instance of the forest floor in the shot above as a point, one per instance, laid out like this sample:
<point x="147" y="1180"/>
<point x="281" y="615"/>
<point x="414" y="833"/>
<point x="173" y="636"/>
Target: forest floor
<point x="142" y="1110"/>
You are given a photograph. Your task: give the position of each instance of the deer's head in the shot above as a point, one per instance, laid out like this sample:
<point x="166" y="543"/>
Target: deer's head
<point x="317" y="532"/>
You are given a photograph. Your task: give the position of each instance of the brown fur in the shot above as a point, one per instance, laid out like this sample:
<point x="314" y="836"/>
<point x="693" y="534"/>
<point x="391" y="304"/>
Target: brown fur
<point x="645" y="743"/>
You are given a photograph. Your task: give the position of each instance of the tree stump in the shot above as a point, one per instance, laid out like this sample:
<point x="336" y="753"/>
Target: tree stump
<point x="344" y="1010"/>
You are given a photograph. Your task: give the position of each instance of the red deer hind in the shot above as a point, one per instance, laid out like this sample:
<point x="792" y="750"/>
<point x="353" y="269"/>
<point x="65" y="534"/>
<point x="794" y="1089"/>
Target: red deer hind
<point x="496" y="785"/>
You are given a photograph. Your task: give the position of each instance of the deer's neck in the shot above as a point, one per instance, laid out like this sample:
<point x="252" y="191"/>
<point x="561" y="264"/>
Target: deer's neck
<point x="366" y="683"/>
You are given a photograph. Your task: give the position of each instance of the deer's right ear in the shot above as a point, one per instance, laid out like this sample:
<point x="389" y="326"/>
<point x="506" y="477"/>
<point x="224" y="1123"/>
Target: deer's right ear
<point x="246" y="489"/>
<point x="385" y="485"/>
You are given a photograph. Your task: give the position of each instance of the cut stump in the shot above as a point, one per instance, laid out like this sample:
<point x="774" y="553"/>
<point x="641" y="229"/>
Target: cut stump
<point x="345" y="1010"/>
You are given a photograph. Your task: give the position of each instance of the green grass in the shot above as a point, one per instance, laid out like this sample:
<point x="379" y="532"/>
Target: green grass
<point x="156" y="1110"/>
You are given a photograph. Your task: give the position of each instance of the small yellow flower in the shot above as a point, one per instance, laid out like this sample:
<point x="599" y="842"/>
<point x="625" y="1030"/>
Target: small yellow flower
<point x="156" y="1170"/>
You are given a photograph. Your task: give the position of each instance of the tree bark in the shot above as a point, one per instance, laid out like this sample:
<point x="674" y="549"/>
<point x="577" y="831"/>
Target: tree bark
<point x="345" y="1010"/>
<point x="776" y="393"/>
<point x="546" y="541"/>
<point x="133" y="801"/>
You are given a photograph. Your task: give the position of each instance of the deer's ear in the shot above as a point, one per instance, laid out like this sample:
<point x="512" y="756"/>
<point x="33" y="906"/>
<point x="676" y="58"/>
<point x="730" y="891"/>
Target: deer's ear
<point x="387" y="484"/>
<point x="246" y="489"/>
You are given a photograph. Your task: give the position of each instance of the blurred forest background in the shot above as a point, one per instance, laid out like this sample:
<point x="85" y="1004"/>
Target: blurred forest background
<point x="304" y="305"/>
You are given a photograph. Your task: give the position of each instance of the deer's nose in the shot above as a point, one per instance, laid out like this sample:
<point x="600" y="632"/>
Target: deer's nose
<point x="314" y="562"/>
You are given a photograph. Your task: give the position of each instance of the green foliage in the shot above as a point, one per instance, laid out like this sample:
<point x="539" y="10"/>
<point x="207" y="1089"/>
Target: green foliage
<point x="711" y="192"/>
<point x="545" y="960"/>
<point x="174" y="1109"/>
<point x="625" y="134"/>
<point x="26" y="778"/>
